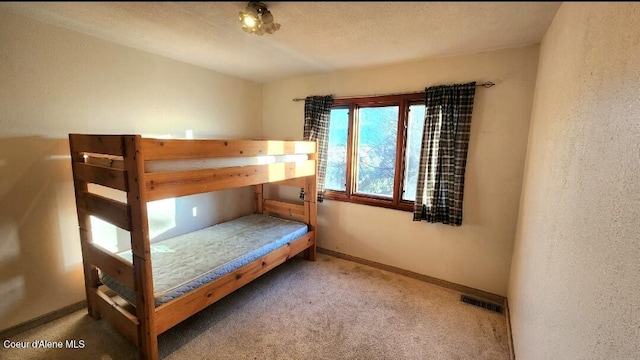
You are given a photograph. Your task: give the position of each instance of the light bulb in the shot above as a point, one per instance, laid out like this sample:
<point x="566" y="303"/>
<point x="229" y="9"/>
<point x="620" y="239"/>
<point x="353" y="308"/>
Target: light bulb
<point x="248" y="21"/>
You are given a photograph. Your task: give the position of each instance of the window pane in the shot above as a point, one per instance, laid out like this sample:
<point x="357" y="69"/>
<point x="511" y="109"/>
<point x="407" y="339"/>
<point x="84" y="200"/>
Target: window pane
<point x="376" y="161"/>
<point x="412" y="157"/>
<point x="336" y="175"/>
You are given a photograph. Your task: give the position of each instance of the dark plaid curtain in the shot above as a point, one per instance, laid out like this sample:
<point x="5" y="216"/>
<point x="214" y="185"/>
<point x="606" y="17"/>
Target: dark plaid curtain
<point x="445" y="140"/>
<point x="317" y="110"/>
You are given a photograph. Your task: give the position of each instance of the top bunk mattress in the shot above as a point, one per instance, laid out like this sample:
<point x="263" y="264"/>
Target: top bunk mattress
<point x="186" y="262"/>
<point x="152" y="166"/>
<point x="156" y="166"/>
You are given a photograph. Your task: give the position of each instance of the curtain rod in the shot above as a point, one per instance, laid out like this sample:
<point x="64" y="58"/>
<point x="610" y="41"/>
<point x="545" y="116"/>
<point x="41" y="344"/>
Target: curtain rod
<point x="486" y="84"/>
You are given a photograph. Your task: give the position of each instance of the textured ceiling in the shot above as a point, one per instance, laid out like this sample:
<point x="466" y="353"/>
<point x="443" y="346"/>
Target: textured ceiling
<point x="315" y="37"/>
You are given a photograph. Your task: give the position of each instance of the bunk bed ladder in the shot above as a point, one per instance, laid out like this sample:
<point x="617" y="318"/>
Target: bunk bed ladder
<point x="130" y="216"/>
<point x="92" y="282"/>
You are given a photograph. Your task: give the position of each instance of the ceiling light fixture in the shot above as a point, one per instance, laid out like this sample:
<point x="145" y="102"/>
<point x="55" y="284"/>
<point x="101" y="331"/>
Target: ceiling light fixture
<point x="257" y="19"/>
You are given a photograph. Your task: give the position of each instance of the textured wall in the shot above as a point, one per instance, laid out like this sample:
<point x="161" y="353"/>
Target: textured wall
<point x="574" y="291"/>
<point x="478" y="253"/>
<point x="53" y="82"/>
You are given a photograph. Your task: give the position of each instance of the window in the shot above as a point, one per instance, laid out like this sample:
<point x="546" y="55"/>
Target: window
<point x="374" y="150"/>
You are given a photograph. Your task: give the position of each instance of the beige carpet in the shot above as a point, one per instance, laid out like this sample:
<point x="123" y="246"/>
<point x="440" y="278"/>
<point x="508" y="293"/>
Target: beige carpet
<point x="327" y="309"/>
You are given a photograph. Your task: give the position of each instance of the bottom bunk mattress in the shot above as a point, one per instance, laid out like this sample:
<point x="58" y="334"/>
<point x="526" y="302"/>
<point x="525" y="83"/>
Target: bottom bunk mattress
<point x="188" y="261"/>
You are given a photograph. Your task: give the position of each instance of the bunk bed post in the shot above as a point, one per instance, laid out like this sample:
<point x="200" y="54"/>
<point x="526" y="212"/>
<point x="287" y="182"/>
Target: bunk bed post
<point x="140" y="246"/>
<point x="258" y="191"/>
<point x="311" y="209"/>
<point x="91" y="279"/>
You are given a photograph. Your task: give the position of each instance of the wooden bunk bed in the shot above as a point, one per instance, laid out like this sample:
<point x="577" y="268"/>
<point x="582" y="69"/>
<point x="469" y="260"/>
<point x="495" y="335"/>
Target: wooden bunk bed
<point x="122" y="162"/>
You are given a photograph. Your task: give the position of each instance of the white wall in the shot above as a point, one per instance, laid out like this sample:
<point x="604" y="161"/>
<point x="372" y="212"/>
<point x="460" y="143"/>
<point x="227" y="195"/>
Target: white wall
<point x="54" y="82"/>
<point x="574" y="291"/>
<point x="478" y="253"/>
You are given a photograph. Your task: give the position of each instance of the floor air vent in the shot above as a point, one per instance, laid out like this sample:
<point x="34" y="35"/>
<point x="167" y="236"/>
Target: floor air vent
<point x="481" y="303"/>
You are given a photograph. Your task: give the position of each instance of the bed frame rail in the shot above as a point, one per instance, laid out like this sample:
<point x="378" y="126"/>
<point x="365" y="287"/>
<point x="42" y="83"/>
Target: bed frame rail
<point x="284" y="209"/>
<point x="164" y="185"/>
<point x="164" y="149"/>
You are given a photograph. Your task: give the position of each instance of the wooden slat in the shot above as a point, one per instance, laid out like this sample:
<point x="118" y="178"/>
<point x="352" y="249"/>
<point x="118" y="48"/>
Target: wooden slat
<point x="174" y="184"/>
<point x="118" y="317"/>
<point x="113" y="178"/>
<point x="297" y="182"/>
<point x="117" y="267"/>
<point x="114" y="212"/>
<point x="109" y="161"/>
<point x="100" y="144"/>
<point x="285" y="208"/>
<point x="157" y="149"/>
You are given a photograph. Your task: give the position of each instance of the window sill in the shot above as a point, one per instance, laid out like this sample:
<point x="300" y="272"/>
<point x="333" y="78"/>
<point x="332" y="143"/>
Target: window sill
<point x="369" y="200"/>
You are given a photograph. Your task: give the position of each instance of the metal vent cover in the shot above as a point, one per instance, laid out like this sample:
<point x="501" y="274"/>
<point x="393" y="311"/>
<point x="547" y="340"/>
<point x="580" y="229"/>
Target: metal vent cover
<point x="482" y="303"/>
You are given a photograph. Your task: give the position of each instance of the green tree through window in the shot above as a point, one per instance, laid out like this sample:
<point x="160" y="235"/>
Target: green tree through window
<point x="336" y="174"/>
<point x="374" y="150"/>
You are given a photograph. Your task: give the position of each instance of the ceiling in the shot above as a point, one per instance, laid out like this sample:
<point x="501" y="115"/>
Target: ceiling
<point x="315" y="37"/>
